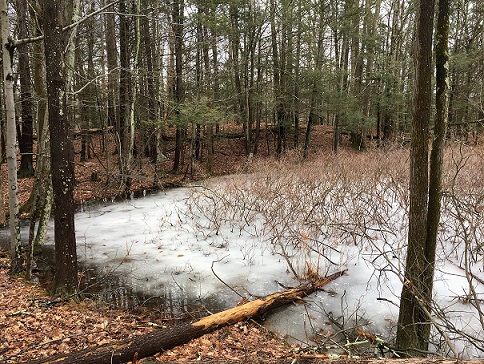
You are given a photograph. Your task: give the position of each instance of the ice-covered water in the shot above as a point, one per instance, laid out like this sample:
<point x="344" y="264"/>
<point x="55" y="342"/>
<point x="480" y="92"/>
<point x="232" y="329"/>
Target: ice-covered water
<point x="153" y="245"/>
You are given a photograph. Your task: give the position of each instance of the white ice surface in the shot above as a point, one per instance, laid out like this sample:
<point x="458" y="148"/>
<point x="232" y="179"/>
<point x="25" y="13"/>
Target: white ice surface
<point x="154" y="244"/>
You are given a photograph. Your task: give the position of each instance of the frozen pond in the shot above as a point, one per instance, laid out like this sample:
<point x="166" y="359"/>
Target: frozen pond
<point x="176" y="250"/>
<point x="149" y="243"/>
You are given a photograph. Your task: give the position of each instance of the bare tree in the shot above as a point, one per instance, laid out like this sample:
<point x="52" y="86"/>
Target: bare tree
<point x="26" y="128"/>
<point x="11" y="150"/>
<point x="61" y="150"/>
<point x="415" y="305"/>
<point x="178" y="7"/>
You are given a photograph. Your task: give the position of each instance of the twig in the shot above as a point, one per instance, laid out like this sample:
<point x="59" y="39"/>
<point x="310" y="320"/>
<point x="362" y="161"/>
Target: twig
<point x="221" y="280"/>
<point x="387" y="300"/>
<point x="481" y="281"/>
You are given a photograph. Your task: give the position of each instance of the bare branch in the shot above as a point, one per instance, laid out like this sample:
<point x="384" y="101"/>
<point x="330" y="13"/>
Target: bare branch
<point x="18" y="42"/>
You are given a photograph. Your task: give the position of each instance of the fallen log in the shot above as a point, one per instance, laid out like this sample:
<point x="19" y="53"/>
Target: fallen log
<point x="164" y="339"/>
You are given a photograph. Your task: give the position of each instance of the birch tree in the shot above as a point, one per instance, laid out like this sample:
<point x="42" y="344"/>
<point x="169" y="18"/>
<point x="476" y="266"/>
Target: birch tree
<point x="8" y="48"/>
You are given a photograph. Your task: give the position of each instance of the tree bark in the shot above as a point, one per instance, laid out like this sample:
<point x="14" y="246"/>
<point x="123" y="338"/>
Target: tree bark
<point x="151" y="142"/>
<point x="26" y="131"/>
<point x="112" y="63"/>
<point x="149" y="344"/>
<point x="438" y="143"/>
<point x="40" y="201"/>
<point x="413" y="322"/>
<point x="61" y="151"/>
<point x="124" y="97"/>
<point x="11" y="151"/>
<point x="134" y="88"/>
<point x="178" y="92"/>
<point x="342" y="59"/>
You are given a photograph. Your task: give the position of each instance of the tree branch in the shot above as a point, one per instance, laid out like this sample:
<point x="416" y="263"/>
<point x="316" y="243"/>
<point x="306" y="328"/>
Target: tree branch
<point x="18" y="42"/>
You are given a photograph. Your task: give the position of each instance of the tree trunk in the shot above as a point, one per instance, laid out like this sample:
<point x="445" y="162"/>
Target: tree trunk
<point x="342" y="59"/>
<point x="124" y="97"/>
<point x="357" y="136"/>
<point x="134" y="92"/>
<point x="113" y="77"/>
<point x="151" y="142"/>
<point x="209" y="128"/>
<point x="61" y="152"/>
<point x="159" y="95"/>
<point x="11" y="150"/>
<point x="165" y="339"/>
<point x="314" y="87"/>
<point x="89" y="109"/>
<point x="26" y="131"/>
<point x="112" y="63"/>
<point x="438" y="143"/>
<point x="297" y="75"/>
<point x="178" y="94"/>
<point x="413" y="322"/>
<point x="40" y="201"/>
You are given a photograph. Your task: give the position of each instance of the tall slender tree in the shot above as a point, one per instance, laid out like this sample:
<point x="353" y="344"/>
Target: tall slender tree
<point x="8" y="48"/>
<point x="177" y="18"/>
<point x="124" y="95"/>
<point x="342" y="54"/>
<point x="26" y="128"/>
<point x="112" y="64"/>
<point x="151" y="132"/>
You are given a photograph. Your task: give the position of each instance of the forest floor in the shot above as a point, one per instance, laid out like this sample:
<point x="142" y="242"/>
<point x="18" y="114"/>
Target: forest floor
<point x="34" y="324"/>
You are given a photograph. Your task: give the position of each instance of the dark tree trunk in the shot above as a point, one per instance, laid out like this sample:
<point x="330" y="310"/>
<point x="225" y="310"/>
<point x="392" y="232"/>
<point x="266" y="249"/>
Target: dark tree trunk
<point x="112" y="63"/>
<point x="388" y="128"/>
<point x="437" y="153"/>
<point x="413" y="322"/>
<point x="297" y="65"/>
<point x="25" y="140"/>
<point x="342" y="57"/>
<point x="151" y="147"/>
<point x="124" y="96"/>
<point x="61" y="151"/>
<point x="177" y="24"/>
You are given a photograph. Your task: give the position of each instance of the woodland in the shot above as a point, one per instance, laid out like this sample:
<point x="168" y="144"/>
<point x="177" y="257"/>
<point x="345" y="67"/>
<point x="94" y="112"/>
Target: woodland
<point x="110" y="99"/>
